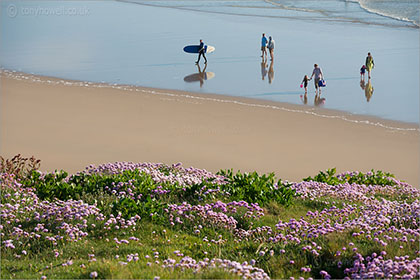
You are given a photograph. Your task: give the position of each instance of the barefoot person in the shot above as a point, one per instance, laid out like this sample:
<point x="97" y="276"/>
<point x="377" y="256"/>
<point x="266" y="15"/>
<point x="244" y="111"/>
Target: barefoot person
<point x="271" y="47"/>
<point x="264" y="42"/>
<point x="304" y="83"/>
<point x="369" y="64"/>
<point x="201" y="52"/>
<point x="362" y="72"/>
<point x="318" y="76"/>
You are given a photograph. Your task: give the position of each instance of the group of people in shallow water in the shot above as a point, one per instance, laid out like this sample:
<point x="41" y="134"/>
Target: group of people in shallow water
<point x="317" y="73"/>
<point x="319" y="76"/>
<point x="267" y="44"/>
<point x="318" y="82"/>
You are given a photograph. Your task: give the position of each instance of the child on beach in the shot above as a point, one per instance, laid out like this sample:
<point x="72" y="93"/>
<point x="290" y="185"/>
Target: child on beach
<point x="305" y="83"/>
<point x="362" y="72"/>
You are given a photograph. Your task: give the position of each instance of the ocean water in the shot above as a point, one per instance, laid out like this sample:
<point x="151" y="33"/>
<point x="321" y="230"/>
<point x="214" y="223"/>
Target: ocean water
<point x="403" y="13"/>
<point x="403" y="10"/>
<point x="140" y="43"/>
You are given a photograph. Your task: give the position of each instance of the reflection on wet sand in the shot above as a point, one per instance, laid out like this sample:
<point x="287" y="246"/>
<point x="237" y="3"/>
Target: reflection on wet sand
<point x="318" y="101"/>
<point x="362" y="84"/>
<point x="304" y="98"/>
<point x="271" y="72"/>
<point x="201" y="76"/>
<point x="368" y="90"/>
<point x="366" y="87"/>
<point x="263" y="68"/>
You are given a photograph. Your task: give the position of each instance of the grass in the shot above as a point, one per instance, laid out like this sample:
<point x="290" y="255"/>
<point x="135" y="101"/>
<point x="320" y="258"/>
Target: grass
<point x="153" y="239"/>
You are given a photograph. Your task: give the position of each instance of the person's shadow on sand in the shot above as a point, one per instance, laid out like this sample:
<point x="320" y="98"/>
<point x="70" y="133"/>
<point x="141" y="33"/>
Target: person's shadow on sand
<point x="201" y="76"/>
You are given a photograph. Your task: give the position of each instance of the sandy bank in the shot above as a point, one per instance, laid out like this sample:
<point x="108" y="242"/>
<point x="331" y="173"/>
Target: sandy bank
<point x="70" y="127"/>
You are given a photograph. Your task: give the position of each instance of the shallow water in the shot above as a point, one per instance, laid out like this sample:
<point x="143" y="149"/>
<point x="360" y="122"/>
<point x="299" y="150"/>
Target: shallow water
<point x="378" y="12"/>
<point x="126" y="43"/>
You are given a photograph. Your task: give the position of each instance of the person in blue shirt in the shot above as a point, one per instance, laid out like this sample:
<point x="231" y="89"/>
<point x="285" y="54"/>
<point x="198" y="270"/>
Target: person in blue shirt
<point x="202" y="52"/>
<point x="264" y="42"/>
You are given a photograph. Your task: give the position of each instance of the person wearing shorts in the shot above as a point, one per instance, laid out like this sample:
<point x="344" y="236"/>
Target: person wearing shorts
<point x="318" y="75"/>
<point x="264" y="42"/>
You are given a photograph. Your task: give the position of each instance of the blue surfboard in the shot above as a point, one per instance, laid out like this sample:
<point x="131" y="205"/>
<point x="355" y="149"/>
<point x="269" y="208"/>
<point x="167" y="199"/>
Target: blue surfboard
<point x="196" y="48"/>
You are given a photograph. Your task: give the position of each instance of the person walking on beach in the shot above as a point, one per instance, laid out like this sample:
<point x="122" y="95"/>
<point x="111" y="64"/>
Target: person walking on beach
<point x="201" y="52"/>
<point x="317" y="72"/>
<point x="271" y="47"/>
<point x="369" y="64"/>
<point x="264" y="45"/>
<point x="304" y="83"/>
<point x="362" y="72"/>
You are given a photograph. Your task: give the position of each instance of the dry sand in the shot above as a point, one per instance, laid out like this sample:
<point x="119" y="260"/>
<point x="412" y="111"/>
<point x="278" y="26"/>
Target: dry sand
<point x="70" y="127"/>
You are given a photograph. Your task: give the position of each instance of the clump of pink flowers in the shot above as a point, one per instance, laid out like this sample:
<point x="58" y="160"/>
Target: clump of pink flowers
<point x="243" y="270"/>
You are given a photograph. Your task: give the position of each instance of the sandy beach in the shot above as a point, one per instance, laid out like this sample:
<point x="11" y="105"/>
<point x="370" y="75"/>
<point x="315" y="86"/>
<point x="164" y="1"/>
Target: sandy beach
<point x="71" y="126"/>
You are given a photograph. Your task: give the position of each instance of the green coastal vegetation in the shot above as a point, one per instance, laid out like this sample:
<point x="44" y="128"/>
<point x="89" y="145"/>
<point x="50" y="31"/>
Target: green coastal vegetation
<point x="129" y="220"/>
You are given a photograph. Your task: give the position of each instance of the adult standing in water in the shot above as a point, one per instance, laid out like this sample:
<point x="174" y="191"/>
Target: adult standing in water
<point x="202" y="52"/>
<point x="317" y="72"/>
<point x="264" y="45"/>
<point x="271" y="47"/>
<point x="369" y="64"/>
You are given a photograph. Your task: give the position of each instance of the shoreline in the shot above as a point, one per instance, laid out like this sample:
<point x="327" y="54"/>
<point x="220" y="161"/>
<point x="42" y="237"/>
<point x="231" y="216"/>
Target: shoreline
<point x="238" y="71"/>
<point x="215" y="97"/>
<point x="407" y="23"/>
<point x="71" y="124"/>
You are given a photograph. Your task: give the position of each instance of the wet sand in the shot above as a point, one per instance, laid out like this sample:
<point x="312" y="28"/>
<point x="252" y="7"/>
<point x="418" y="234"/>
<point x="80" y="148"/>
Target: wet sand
<point x="70" y="127"/>
<point x="133" y="49"/>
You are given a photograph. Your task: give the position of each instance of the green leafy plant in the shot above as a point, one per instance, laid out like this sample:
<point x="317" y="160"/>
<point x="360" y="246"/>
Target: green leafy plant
<point x="371" y="178"/>
<point x="254" y="188"/>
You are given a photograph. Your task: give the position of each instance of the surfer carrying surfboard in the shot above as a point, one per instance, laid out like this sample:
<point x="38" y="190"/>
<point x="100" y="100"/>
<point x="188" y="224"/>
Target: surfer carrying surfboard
<point x="201" y="51"/>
